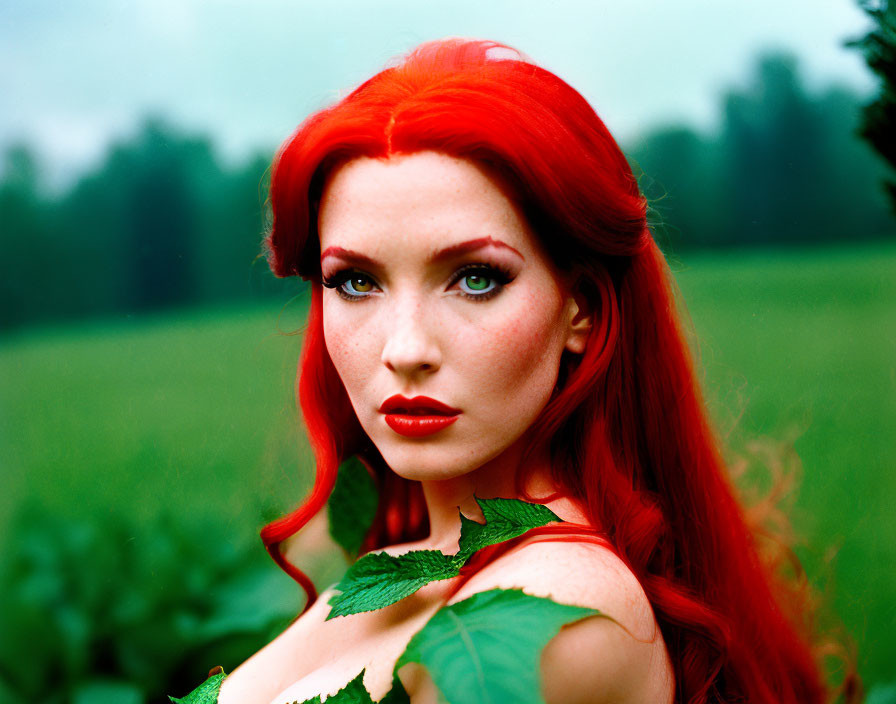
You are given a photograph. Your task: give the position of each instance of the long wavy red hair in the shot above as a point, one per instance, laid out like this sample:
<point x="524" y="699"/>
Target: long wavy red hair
<point x="628" y="432"/>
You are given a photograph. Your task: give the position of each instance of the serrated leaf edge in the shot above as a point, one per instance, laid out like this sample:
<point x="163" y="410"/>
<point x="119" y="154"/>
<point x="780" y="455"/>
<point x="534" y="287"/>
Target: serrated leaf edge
<point x="342" y="696"/>
<point x="187" y="699"/>
<point x="456" y="561"/>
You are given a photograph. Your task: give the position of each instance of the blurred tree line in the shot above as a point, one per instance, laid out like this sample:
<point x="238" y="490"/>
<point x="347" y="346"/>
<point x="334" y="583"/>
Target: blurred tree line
<point x="162" y="222"/>
<point x="784" y="167"/>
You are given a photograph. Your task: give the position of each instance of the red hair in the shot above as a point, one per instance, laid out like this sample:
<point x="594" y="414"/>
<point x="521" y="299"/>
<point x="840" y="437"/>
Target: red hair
<point x="628" y="431"/>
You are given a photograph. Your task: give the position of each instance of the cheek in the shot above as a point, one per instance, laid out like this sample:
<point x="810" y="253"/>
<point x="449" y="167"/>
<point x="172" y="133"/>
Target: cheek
<point x="520" y="354"/>
<point x="346" y="343"/>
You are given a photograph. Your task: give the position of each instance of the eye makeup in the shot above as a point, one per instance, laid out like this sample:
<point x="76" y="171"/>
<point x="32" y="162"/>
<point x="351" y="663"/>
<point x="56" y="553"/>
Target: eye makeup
<point x="339" y="279"/>
<point x="499" y="275"/>
<point x="350" y="279"/>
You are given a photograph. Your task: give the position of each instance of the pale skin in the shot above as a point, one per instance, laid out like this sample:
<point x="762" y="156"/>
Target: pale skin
<point x="442" y="290"/>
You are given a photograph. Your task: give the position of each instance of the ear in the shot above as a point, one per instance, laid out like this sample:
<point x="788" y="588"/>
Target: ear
<point x="580" y="318"/>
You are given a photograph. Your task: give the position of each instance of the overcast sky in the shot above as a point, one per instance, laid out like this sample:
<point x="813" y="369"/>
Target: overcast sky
<point x="76" y="74"/>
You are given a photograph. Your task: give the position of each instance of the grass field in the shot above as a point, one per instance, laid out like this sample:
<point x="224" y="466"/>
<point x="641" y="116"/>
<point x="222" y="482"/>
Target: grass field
<point x="804" y="345"/>
<point x="193" y="412"/>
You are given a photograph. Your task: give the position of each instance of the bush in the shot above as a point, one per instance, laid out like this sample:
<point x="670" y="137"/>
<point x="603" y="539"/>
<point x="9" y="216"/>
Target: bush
<point x="101" y="612"/>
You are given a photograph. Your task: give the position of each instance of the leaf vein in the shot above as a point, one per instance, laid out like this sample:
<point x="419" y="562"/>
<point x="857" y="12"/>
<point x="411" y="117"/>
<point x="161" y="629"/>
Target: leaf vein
<point x="477" y="662"/>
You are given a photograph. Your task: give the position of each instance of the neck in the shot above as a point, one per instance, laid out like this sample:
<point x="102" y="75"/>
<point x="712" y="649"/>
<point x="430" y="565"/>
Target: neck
<point x="496" y="478"/>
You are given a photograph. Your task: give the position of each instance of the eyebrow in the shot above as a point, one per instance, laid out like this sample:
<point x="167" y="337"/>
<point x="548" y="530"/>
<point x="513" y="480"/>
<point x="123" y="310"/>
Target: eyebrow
<point x="441" y="255"/>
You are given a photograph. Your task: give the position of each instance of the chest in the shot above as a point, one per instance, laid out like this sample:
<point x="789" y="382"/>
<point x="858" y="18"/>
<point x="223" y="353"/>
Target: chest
<point x="332" y="653"/>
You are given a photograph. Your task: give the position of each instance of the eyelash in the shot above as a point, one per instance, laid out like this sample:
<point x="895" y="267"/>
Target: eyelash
<point x="498" y="274"/>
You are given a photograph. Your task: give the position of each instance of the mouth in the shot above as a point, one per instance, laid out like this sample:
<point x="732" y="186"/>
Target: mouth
<point x="418" y="416"/>
<point x="417" y="406"/>
<point x="418" y="426"/>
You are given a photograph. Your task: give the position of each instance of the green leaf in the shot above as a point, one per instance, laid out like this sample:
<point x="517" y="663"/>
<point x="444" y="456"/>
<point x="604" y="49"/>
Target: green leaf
<point x="352" y="505"/>
<point x="486" y="649"/>
<point x="206" y="693"/>
<point x="504" y="519"/>
<point x="355" y="693"/>
<point x="380" y="579"/>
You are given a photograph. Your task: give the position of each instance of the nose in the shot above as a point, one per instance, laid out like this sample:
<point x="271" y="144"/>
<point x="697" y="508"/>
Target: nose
<point x="411" y="348"/>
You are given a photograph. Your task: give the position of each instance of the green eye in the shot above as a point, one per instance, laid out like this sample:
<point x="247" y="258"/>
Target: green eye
<point x="480" y="282"/>
<point x="475" y="282"/>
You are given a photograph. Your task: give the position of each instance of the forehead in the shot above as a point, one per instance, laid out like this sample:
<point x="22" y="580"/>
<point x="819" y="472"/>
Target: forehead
<point x="417" y="200"/>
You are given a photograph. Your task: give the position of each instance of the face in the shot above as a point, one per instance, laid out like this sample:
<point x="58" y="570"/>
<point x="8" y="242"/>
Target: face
<point x="436" y="287"/>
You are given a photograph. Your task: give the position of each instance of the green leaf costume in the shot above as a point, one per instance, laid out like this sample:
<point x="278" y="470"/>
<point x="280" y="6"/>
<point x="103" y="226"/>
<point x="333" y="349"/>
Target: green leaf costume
<point x="379" y="579"/>
<point x="485" y="649"/>
<point x="206" y="693"/>
<point x="355" y="693"/>
<point x="482" y="650"/>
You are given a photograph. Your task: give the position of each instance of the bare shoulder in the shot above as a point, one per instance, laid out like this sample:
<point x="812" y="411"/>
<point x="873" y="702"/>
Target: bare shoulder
<point x="618" y="656"/>
<point x="579" y="573"/>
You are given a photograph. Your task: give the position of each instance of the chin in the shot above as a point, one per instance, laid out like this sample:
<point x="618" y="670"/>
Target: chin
<point x="438" y="461"/>
<point x="425" y="459"/>
<point x="421" y="464"/>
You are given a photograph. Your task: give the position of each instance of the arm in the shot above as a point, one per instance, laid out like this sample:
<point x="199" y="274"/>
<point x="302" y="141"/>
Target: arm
<point x="595" y="660"/>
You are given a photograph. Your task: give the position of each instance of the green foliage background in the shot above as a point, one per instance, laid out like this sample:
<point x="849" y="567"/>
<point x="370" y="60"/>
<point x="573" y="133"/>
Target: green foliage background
<point x="152" y="450"/>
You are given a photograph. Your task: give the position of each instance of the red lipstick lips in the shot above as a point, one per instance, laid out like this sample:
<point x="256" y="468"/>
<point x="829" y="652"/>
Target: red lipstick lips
<point x="418" y="416"/>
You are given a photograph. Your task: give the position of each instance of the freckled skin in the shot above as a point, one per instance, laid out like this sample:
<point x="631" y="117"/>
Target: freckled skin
<point x="414" y="333"/>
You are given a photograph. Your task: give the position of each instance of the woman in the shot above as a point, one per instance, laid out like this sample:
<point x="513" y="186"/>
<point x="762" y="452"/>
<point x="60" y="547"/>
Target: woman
<point x="490" y="317"/>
